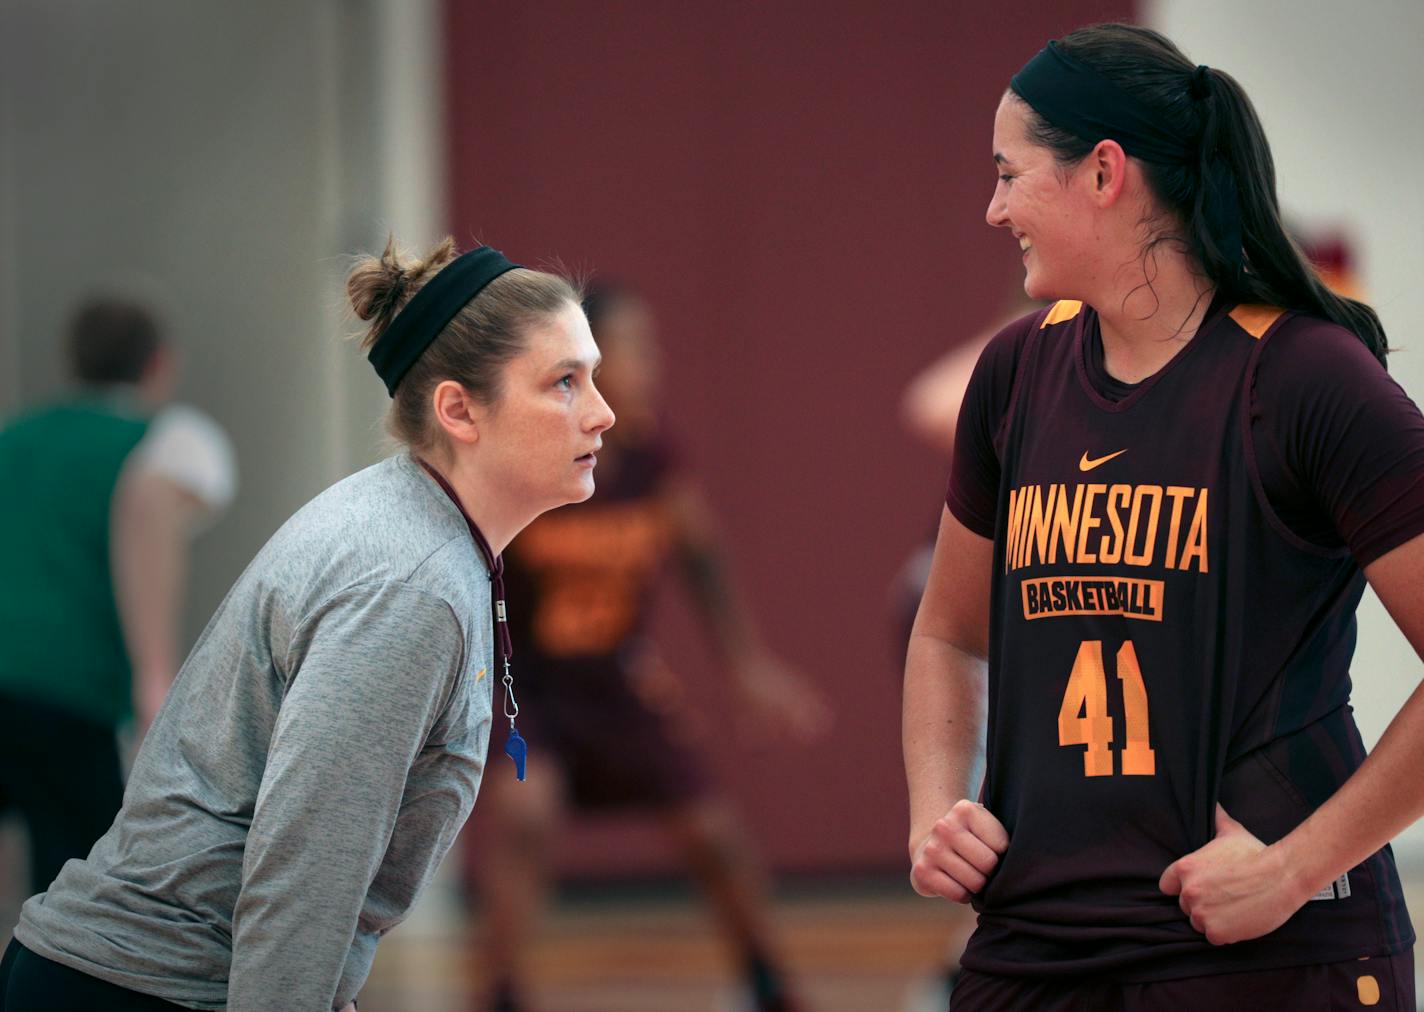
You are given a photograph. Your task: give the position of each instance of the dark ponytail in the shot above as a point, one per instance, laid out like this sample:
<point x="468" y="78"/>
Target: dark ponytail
<point x="1234" y="168"/>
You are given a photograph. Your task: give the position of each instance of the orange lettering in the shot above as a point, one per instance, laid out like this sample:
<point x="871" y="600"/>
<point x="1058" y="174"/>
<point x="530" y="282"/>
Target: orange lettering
<point x="1196" y="538"/>
<point x="1089" y="522"/>
<point x="1065" y="524"/>
<point x="1179" y="494"/>
<point x="1132" y="556"/>
<point x="1110" y="548"/>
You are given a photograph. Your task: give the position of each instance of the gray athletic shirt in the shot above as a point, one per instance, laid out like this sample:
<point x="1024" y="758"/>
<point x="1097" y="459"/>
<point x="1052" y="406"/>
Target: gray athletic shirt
<point x="311" y="766"/>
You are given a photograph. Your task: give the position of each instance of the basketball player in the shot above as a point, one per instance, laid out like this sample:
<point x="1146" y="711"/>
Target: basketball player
<point x="1168" y="492"/>
<point x="599" y="701"/>
<point x="325" y="738"/>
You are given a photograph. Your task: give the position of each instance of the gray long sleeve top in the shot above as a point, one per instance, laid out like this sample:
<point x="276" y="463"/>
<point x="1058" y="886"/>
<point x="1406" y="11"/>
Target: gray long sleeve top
<point x="311" y="766"/>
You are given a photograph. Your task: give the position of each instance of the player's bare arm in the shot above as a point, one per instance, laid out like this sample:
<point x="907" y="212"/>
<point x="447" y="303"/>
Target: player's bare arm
<point x="955" y="842"/>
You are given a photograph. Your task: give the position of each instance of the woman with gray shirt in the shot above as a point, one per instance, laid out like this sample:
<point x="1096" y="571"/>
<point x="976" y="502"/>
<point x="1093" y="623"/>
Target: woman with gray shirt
<point x="325" y="739"/>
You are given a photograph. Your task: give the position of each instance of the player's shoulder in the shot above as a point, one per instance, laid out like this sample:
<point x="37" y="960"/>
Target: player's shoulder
<point x="1303" y="351"/>
<point x="190" y="449"/>
<point x="1001" y="356"/>
<point x="1006" y="347"/>
<point x="386" y="523"/>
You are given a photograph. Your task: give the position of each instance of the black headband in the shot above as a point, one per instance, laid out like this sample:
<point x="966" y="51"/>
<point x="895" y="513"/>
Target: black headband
<point x="1074" y="97"/>
<point x="427" y="313"/>
<point x="1070" y="95"/>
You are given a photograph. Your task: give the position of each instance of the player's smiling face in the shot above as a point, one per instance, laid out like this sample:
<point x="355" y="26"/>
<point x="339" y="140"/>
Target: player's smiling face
<point x="1042" y="205"/>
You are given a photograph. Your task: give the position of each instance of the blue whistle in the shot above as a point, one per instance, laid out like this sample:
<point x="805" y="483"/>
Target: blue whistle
<point x="517" y="749"/>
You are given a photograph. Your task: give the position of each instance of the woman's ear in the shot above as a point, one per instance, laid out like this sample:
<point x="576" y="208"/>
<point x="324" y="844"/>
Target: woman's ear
<point x="457" y="411"/>
<point x="1109" y="166"/>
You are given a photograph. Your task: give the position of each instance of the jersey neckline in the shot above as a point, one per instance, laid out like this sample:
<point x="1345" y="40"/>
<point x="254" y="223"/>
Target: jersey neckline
<point x="1092" y="372"/>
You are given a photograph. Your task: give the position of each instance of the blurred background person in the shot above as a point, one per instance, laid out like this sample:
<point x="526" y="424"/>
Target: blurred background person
<point x="104" y="488"/>
<point x="929" y="407"/>
<point x="929" y="414"/>
<point x="600" y="707"/>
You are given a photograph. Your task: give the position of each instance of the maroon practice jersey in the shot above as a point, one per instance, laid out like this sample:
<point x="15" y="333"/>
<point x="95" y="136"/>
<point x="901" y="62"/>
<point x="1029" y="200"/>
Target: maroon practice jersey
<point x="581" y="585"/>
<point x="581" y="577"/>
<point x="1161" y="640"/>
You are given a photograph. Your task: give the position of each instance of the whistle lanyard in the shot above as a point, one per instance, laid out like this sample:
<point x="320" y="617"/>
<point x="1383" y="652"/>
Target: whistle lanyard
<point x="514" y="746"/>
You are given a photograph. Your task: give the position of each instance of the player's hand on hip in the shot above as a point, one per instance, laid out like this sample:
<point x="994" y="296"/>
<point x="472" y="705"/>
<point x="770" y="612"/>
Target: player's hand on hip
<point x="1235" y="887"/>
<point x="955" y="858"/>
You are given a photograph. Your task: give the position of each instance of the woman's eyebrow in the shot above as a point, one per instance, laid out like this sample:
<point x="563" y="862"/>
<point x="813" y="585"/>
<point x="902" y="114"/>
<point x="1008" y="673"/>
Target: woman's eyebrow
<point x="574" y="364"/>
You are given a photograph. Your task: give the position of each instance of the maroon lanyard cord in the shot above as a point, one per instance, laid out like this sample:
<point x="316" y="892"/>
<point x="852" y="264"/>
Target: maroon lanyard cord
<point x="515" y="746"/>
<point x="494" y="562"/>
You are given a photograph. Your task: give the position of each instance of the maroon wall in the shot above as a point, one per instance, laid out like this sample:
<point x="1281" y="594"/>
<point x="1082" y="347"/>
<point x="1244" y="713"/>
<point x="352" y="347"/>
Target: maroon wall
<point x="800" y="188"/>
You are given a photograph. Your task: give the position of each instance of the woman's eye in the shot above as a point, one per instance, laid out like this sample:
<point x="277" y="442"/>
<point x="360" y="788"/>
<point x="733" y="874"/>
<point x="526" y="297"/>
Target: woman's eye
<point x="1005" y="178"/>
<point x="565" y="382"/>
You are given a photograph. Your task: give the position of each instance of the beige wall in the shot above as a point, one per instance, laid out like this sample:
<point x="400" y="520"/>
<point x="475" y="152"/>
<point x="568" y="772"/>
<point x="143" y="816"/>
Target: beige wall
<point x="230" y="156"/>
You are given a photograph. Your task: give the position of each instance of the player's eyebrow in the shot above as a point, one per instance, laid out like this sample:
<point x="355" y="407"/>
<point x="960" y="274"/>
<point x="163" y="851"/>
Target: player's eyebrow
<point x="1001" y="159"/>
<point x="575" y="364"/>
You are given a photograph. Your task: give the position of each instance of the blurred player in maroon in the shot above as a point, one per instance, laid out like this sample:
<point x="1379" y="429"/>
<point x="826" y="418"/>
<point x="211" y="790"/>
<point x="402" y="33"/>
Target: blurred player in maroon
<point x="597" y="704"/>
<point x="1168" y="492"/>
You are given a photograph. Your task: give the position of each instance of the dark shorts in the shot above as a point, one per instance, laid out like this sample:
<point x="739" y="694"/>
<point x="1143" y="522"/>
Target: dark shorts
<point x="31" y="983"/>
<point x="1385" y="983"/>
<point x="61" y="773"/>
<point x="616" y="748"/>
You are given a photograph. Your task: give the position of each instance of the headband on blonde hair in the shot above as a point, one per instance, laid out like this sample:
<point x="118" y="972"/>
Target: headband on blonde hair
<point x="423" y="318"/>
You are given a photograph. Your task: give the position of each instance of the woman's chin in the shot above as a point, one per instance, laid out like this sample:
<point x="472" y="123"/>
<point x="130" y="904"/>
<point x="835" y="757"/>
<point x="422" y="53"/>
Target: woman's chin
<point x="582" y="490"/>
<point x="1034" y="288"/>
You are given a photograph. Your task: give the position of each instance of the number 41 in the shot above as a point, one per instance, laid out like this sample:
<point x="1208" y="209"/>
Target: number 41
<point x="1087" y="694"/>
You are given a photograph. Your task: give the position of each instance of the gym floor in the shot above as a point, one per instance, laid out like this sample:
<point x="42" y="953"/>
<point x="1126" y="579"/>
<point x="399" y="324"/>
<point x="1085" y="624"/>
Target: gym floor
<point x="850" y="948"/>
<point x="862" y="946"/>
<point x="866" y="947"/>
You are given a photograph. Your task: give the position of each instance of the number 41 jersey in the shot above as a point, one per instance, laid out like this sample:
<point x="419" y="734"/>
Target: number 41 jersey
<point x="1160" y="642"/>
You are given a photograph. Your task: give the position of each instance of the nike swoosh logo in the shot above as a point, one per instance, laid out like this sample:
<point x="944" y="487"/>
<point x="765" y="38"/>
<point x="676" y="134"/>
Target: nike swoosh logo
<point x="1087" y="465"/>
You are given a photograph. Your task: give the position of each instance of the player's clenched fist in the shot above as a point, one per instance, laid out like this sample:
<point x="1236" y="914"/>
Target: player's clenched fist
<point x="954" y="859"/>
<point x="1235" y="887"/>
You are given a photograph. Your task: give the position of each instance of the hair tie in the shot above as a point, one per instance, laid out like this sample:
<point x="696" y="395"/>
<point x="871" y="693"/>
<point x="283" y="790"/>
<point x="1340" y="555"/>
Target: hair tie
<point x="397" y="289"/>
<point x="1200" y="84"/>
